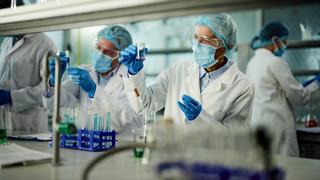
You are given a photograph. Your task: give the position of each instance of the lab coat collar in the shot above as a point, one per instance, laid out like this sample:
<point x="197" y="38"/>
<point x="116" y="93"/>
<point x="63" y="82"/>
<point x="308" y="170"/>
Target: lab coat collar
<point x="263" y="52"/>
<point x="226" y="78"/>
<point x="28" y="35"/>
<point x="112" y="73"/>
<point x="216" y="73"/>
<point x="229" y="76"/>
<point x="20" y="42"/>
<point x="192" y="81"/>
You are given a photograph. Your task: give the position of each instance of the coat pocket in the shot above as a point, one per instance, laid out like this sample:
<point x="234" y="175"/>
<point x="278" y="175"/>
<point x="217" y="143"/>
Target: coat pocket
<point x="22" y="74"/>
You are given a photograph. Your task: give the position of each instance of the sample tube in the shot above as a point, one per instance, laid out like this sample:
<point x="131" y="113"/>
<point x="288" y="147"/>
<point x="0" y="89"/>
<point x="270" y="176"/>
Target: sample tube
<point x="140" y="51"/>
<point x="108" y="121"/>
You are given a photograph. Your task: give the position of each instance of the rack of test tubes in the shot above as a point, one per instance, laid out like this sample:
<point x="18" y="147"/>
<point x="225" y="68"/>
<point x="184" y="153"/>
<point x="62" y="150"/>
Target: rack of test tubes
<point x="97" y="136"/>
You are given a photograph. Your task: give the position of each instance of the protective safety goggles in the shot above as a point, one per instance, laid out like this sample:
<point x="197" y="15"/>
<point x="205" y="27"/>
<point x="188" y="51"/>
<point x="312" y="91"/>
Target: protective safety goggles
<point x="98" y="47"/>
<point x="216" y="43"/>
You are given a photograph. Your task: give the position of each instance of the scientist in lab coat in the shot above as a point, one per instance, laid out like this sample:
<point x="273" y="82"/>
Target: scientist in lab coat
<point x="22" y="67"/>
<point x="210" y="89"/>
<point x="99" y="87"/>
<point x="276" y="88"/>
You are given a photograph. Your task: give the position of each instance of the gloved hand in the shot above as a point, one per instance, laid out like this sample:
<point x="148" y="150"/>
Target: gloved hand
<point x="82" y="78"/>
<point x="128" y="58"/>
<point x="5" y="97"/>
<point x="190" y="107"/>
<point x="306" y="83"/>
<point x="63" y="65"/>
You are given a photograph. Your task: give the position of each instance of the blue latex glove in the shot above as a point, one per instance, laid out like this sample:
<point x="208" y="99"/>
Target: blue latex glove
<point x="82" y="78"/>
<point x="190" y="107"/>
<point x="128" y="58"/>
<point x="63" y="65"/>
<point x="306" y="83"/>
<point x="5" y="97"/>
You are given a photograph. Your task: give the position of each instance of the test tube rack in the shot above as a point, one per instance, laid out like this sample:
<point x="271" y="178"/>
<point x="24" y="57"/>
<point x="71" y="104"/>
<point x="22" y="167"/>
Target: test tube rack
<point x="89" y="140"/>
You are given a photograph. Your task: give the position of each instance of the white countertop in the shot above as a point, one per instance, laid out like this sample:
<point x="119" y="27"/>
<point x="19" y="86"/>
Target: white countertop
<point x="125" y="166"/>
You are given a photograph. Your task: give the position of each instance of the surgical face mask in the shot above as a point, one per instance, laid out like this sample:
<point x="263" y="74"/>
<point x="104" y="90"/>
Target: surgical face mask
<point x="204" y="55"/>
<point x="101" y="62"/>
<point x="280" y="51"/>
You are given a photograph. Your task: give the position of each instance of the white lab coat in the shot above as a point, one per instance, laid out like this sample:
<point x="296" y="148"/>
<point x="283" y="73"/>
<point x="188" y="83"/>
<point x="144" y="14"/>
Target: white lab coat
<point x="110" y="98"/>
<point x="225" y="102"/>
<point x="275" y="91"/>
<point x="21" y="72"/>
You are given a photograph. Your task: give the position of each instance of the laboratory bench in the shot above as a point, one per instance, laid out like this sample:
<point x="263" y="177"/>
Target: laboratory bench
<point x="124" y="166"/>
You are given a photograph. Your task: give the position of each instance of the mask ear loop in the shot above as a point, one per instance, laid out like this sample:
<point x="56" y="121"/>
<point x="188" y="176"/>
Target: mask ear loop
<point x="115" y="59"/>
<point x="223" y="55"/>
<point x="225" y="50"/>
<point x="277" y="42"/>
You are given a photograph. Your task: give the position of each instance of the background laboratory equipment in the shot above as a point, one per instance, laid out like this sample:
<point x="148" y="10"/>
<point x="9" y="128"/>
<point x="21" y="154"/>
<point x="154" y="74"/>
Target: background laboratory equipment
<point x="311" y="121"/>
<point x="204" y="151"/>
<point x="150" y="118"/>
<point x="3" y="136"/>
<point x="144" y="134"/>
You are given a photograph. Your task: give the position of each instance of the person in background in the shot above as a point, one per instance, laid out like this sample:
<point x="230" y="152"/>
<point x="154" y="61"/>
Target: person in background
<point x="276" y="89"/>
<point x="209" y="89"/>
<point x="99" y="87"/>
<point x="22" y="66"/>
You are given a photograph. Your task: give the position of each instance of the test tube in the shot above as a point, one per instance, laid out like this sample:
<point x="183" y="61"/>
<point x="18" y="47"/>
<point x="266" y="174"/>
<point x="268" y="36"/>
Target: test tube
<point x="65" y="118"/>
<point x="108" y="121"/>
<point x="140" y="51"/>
<point x="95" y="122"/>
<point x="13" y="4"/>
<point x="66" y="52"/>
<point x="100" y="123"/>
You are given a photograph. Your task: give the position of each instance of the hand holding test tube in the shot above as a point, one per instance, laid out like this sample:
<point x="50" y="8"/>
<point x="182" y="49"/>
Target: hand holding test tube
<point x="132" y="57"/>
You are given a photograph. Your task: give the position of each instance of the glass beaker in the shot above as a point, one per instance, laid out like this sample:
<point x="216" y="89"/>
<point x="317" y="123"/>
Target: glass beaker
<point x="139" y="136"/>
<point x="311" y="118"/>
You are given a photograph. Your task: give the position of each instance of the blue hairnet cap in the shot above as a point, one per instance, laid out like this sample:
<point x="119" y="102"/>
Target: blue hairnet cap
<point x="224" y="27"/>
<point x="255" y="43"/>
<point x="117" y="35"/>
<point x="269" y="31"/>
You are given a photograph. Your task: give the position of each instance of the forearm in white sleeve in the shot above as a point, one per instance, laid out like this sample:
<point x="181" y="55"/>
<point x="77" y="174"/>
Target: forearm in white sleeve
<point x="295" y="92"/>
<point x="144" y="99"/>
<point x="69" y="95"/>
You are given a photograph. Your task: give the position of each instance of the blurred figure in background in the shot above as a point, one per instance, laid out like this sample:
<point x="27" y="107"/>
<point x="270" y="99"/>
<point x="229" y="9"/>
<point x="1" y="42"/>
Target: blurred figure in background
<point x="210" y="89"/>
<point x="99" y="87"/>
<point x="22" y="66"/>
<point x="276" y="89"/>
